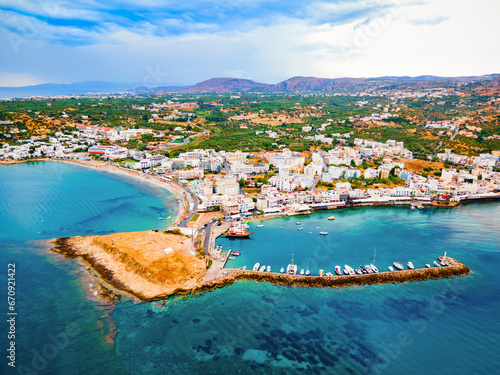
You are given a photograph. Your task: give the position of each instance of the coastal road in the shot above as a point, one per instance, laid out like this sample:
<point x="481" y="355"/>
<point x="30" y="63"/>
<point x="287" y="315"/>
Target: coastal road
<point x="183" y="223"/>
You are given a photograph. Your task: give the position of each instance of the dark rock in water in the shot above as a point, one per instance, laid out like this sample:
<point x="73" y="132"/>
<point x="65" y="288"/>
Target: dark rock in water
<point x="357" y="358"/>
<point x="267" y="299"/>
<point x="150" y="314"/>
<point x="196" y="320"/>
<point x="314" y="335"/>
<point x="294" y="336"/>
<point x="288" y="354"/>
<point x="239" y="351"/>
<point x="175" y="321"/>
<point x="264" y="324"/>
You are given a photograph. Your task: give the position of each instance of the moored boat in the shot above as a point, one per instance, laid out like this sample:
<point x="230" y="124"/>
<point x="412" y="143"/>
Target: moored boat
<point x="436" y="264"/>
<point x="160" y="218"/>
<point x="358" y="271"/>
<point x="282" y="270"/>
<point x="235" y="253"/>
<point x="331" y="217"/>
<point x="300" y="228"/>
<point x="374" y="269"/>
<point x="338" y="270"/>
<point x="262" y="269"/>
<point x="231" y="258"/>
<point x="427" y="265"/>
<point x="398" y="266"/>
<point x="297" y="223"/>
<point x="323" y="233"/>
<point x="410" y="266"/>
<point x="308" y="273"/>
<point x="302" y="271"/>
<point x="390" y="268"/>
<point x="329" y="274"/>
<point x="321" y="273"/>
<point x="292" y="268"/>
<point x="256" y="266"/>
<point x="268" y="269"/>
<point x="349" y="269"/>
<point x="260" y="225"/>
<point x="368" y="268"/>
<point x="442" y="263"/>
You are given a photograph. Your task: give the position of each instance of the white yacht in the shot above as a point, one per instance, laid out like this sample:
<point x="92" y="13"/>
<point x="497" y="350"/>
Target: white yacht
<point x="292" y="268"/>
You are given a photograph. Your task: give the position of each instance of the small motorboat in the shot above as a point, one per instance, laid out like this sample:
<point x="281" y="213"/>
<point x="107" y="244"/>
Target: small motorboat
<point x="321" y="273"/>
<point x="160" y="218"/>
<point x="302" y="271"/>
<point x="235" y="253"/>
<point x="368" y="268"/>
<point x="268" y="269"/>
<point x="300" y="228"/>
<point x="262" y="269"/>
<point x="329" y="274"/>
<point x="390" y="268"/>
<point x="338" y="270"/>
<point x="427" y="265"/>
<point x="398" y="266"/>
<point x="323" y="233"/>
<point x="331" y="217"/>
<point x="374" y="269"/>
<point x="231" y="258"/>
<point x="256" y="266"/>
<point x="260" y="225"/>
<point x="307" y="273"/>
<point x="358" y="271"/>
<point x="282" y="270"/>
<point x="410" y="266"/>
<point x="436" y="264"/>
<point x="297" y="223"/>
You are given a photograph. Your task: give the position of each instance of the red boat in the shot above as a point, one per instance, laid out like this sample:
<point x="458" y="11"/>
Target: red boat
<point x="238" y="234"/>
<point x="235" y="253"/>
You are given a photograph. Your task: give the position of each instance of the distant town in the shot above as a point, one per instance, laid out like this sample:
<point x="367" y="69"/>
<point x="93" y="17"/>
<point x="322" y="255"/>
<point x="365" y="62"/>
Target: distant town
<point x="250" y="153"/>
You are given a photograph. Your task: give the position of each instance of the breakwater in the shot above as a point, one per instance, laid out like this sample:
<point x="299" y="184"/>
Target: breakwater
<point x="453" y="268"/>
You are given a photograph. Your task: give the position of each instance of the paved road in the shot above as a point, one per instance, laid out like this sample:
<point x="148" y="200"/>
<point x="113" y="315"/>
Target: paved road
<point x="184" y="222"/>
<point x="313" y="186"/>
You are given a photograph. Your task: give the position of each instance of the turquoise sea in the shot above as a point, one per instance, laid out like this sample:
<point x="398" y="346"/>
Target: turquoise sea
<point x="447" y="326"/>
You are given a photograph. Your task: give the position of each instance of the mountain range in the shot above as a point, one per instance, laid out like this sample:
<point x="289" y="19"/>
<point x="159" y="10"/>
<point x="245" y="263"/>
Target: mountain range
<point x="225" y="85"/>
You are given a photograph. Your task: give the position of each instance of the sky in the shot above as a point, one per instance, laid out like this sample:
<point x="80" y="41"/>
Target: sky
<point x="165" y="42"/>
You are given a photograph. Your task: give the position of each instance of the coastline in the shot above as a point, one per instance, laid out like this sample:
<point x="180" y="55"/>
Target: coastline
<point x="113" y="168"/>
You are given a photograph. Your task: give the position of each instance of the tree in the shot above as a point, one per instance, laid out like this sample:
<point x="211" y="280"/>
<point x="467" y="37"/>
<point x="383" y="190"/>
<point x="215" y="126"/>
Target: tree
<point x="242" y="182"/>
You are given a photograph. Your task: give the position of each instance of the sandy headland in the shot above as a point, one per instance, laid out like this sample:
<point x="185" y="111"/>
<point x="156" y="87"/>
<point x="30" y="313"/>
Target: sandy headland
<point x="147" y="265"/>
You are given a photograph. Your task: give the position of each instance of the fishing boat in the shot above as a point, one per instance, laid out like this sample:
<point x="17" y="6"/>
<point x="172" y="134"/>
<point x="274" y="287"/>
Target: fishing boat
<point x="256" y="266"/>
<point x="427" y="265"/>
<point x="374" y="269"/>
<point x="338" y="270"/>
<point x="436" y="264"/>
<point x="268" y="269"/>
<point x="301" y="272"/>
<point x="292" y="268"/>
<point x="300" y="228"/>
<point x="390" y="268"/>
<point x="323" y="233"/>
<point x="350" y="270"/>
<point x="398" y="266"/>
<point x="410" y="265"/>
<point x="282" y="270"/>
<point x="235" y="253"/>
<point x="331" y="217"/>
<point x="260" y="225"/>
<point x="321" y="273"/>
<point x="262" y="269"/>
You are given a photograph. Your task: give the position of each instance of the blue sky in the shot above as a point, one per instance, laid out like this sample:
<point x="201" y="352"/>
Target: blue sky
<point x="162" y="42"/>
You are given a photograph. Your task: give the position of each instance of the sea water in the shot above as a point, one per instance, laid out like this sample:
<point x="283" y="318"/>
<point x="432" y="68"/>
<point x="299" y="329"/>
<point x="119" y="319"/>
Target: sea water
<point x="446" y="326"/>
